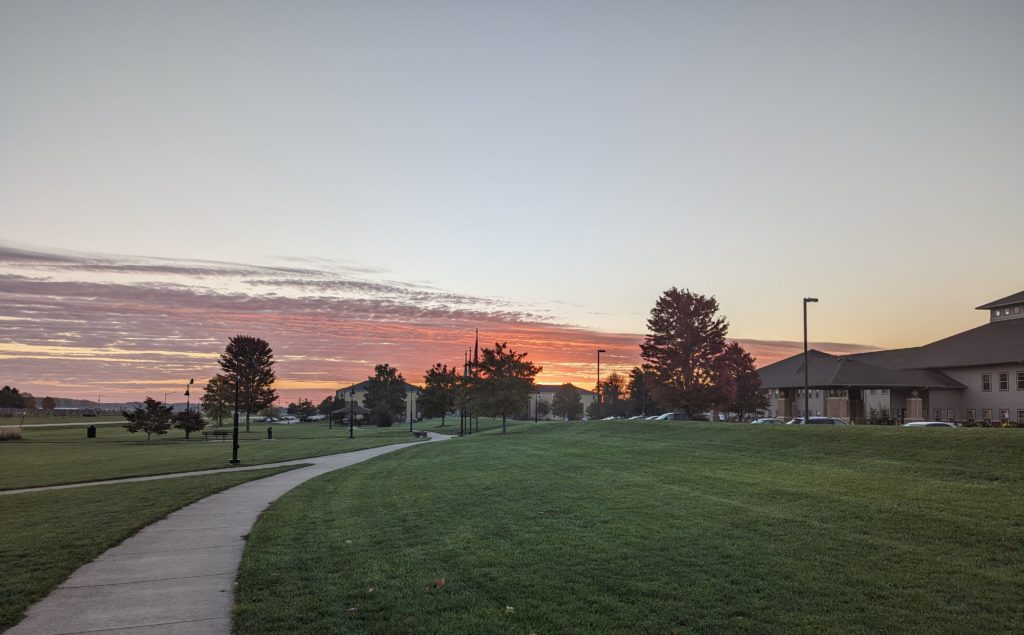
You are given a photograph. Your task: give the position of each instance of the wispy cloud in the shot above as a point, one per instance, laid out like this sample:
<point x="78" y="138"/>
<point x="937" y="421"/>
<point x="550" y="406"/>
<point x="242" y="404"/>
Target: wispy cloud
<point x="81" y="325"/>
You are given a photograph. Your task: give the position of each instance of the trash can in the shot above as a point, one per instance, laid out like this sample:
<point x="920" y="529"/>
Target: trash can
<point x="270" y="433"/>
<point x="90" y="432"/>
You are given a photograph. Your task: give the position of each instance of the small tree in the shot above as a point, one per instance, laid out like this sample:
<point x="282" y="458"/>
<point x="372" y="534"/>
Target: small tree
<point x="543" y="408"/>
<point x="49" y="403"/>
<point x="190" y="421"/>
<point x="28" y="402"/>
<point x="219" y="398"/>
<point x="250" y="361"/>
<point x="327" y="406"/>
<point x="152" y="418"/>
<point x="506" y="381"/>
<point x="439" y="391"/>
<point x="385" y="390"/>
<point x="747" y="397"/>
<point x="567" y="402"/>
<point x="305" y="408"/>
<point x="381" y="416"/>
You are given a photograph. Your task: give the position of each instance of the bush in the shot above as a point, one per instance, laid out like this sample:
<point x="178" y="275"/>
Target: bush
<point x="381" y="416"/>
<point x="10" y="434"/>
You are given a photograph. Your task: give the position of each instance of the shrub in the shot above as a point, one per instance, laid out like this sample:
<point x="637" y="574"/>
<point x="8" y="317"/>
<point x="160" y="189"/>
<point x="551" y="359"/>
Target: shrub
<point x="10" y="434"/>
<point x="381" y="417"/>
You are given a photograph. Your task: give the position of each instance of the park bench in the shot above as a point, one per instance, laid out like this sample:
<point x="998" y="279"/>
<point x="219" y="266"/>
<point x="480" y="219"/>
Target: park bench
<point x="419" y="433"/>
<point x="220" y="434"/>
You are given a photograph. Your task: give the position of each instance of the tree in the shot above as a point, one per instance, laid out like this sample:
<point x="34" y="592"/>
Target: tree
<point x="740" y="382"/>
<point x="49" y="403"/>
<point x="10" y="397"/>
<point x="682" y="349"/>
<point x="543" y="408"/>
<point x="640" y="399"/>
<point x="506" y="381"/>
<point x="28" y="402"/>
<point x="439" y="390"/>
<point x="327" y="406"/>
<point x="385" y="392"/>
<point x="613" y="392"/>
<point x="219" y="398"/>
<point x="154" y="417"/>
<point x="305" y="408"/>
<point x="567" y="402"/>
<point x="250" y="361"/>
<point x="190" y="421"/>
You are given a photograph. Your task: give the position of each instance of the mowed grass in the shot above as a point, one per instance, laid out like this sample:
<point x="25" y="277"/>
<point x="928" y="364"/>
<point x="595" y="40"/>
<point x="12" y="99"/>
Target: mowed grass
<point x="46" y="536"/>
<point x="50" y="456"/>
<point x="644" y="527"/>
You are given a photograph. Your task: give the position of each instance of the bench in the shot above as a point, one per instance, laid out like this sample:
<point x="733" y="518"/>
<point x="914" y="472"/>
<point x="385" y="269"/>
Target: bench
<point x="419" y="433"/>
<point x="220" y="434"/>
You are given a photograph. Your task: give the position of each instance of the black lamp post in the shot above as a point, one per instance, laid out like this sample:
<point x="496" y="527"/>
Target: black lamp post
<point x="807" y="411"/>
<point x="598" y="409"/>
<point x="234" y="434"/>
<point x="351" y="411"/>
<point x="188" y="398"/>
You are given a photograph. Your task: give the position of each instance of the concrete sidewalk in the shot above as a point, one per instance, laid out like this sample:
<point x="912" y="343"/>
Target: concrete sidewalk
<point x="178" y="574"/>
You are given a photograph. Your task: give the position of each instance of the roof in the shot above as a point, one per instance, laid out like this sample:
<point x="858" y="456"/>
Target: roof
<point x="551" y="388"/>
<point x="1000" y="342"/>
<point x="1016" y="298"/>
<point x="355" y="409"/>
<point x="844" y="371"/>
<point x="362" y="386"/>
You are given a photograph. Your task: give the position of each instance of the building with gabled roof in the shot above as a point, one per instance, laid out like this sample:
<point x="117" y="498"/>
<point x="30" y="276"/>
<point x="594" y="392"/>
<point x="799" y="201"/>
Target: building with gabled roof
<point x="976" y="375"/>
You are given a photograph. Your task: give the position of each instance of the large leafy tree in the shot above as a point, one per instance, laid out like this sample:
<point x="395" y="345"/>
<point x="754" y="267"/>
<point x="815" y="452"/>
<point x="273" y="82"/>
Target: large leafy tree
<point x="506" y="381"/>
<point x="219" y="398"/>
<point x="682" y="348"/>
<point x="567" y="402"/>
<point x="740" y="385"/>
<point x="153" y="417"/>
<point x="385" y="393"/>
<point x="10" y="397"/>
<point x="250" y="361"/>
<point x="440" y="385"/>
<point x="190" y="421"/>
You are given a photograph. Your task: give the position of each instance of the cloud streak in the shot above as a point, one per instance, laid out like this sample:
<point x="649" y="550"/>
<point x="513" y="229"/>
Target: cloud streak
<point x="82" y="325"/>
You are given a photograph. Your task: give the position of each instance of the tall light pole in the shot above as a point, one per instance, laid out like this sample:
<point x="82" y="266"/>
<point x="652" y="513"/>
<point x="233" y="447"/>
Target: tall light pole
<point x="351" y="410"/>
<point x="188" y="398"/>
<point x="234" y="434"/>
<point x="807" y="397"/>
<point x="598" y="408"/>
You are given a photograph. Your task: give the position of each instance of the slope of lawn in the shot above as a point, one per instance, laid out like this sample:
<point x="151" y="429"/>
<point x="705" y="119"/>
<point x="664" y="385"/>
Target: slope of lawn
<point x="638" y="527"/>
<point x="51" y="456"/>
<point x="46" y="536"/>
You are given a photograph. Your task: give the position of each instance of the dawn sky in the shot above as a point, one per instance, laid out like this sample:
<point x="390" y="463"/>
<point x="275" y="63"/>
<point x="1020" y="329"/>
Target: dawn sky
<point x="539" y="163"/>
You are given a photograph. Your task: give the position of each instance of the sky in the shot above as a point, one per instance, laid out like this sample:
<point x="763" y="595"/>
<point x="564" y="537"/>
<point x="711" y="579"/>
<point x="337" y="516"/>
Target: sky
<point x="172" y="173"/>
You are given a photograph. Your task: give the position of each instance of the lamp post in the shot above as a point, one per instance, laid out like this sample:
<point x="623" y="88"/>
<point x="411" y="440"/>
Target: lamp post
<point x="188" y="398"/>
<point x="351" y="411"/>
<point x="234" y="433"/>
<point x="598" y="408"/>
<point x="807" y="412"/>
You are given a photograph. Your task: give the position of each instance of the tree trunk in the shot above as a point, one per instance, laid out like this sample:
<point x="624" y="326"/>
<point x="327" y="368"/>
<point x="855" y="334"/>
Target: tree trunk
<point x="503" y="423"/>
<point x="246" y="420"/>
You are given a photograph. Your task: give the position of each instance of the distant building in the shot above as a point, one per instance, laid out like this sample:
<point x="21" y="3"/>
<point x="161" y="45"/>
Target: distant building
<point x="412" y="393"/>
<point x="977" y="375"/>
<point x="546" y="393"/>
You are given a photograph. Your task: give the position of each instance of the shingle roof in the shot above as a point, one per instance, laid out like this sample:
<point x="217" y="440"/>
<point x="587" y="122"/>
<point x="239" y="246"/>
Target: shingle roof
<point x="1000" y="342"/>
<point x="835" y="371"/>
<point x="1016" y="298"/>
<point x="546" y="388"/>
<point x="362" y="386"/>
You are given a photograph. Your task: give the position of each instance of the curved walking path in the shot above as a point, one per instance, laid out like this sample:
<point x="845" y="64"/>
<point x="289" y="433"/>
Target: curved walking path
<point x="177" y="575"/>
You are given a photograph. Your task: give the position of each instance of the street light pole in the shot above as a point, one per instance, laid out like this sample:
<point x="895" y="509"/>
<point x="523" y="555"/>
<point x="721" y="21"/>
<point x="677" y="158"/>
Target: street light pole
<point x="234" y="434"/>
<point x="598" y="409"/>
<point x="351" y="411"/>
<point x="188" y="398"/>
<point x="807" y="399"/>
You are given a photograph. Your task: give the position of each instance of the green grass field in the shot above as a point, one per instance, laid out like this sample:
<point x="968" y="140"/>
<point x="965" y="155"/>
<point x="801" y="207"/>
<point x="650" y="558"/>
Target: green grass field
<point x="637" y="527"/>
<point x="46" y="536"/>
<point x="49" y="456"/>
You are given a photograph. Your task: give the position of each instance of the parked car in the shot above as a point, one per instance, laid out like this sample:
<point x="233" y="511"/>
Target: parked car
<point x="651" y="418"/>
<point x="674" y="416"/>
<point x="635" y="417"/>
<point x="767" y="421"/>
<point x="929" y="424"/>
<point x="819" y="421"/>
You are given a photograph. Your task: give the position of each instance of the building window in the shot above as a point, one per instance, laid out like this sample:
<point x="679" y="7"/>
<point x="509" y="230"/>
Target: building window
<point x="1004" y="415"/>
<point x="1020" y="380"/>
<point x="986" y="382"/>
<point x="884" y="391"/>
<point x="950" y="414"/>
<point x="986" y="414"/>
<point x="1020" y="418"/>
<point x="938" y="414"/>
<point x="873" y="391"/>
<point x="1016" y="309"/>
<point x="1004" y="381"/>
<point x="970" y="414"/>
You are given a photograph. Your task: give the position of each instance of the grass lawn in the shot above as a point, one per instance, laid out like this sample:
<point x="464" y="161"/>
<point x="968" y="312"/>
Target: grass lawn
<point x="46" y="536"/>
<point x="49" y="456"/>
<point x="644" y="527"/>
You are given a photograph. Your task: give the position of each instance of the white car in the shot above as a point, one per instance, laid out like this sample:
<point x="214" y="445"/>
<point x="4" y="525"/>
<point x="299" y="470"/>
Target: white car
<point x="673" y="416"/>
<point x="651" y="418"/>
<point x="636" y="417"/>
<point x="929" y="424"/>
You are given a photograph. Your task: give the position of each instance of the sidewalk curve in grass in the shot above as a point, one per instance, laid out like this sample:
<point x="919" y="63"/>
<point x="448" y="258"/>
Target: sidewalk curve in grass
<point x="178" y="574"/>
